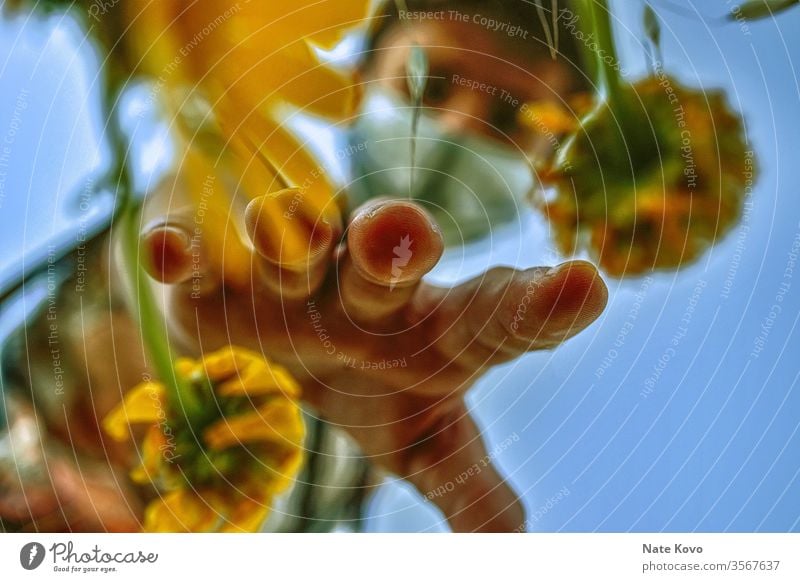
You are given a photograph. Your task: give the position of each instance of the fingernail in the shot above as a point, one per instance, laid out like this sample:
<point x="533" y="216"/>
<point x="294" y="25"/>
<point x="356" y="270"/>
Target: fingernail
<point x="572" y="294"/>
<point x="170" y="253"/>
<point x="286" y="230"/>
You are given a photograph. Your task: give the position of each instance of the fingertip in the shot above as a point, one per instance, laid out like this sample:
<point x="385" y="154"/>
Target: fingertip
<point x="572" y="296"/>
<point x="394" y="242"/>
<point x="287" y="232"/>
<point x="168" y="248"/>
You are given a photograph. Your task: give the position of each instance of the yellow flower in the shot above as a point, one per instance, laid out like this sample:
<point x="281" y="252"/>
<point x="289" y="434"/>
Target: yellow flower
<point x="218" y="472"/>
<point x="547" y="117"/>
<point x="653" y="190"/>
<point x="229" y="74"/>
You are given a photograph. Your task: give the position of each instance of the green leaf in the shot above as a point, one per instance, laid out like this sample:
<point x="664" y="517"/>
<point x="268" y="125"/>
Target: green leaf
<point x="417" y="69"/>
<point x="417" y="73"/>
<point x="652" y="26"/>
<point x="755" y="9"/>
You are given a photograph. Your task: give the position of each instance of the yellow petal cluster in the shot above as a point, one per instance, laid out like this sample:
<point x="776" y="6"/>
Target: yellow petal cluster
<point x="219" y="472"/>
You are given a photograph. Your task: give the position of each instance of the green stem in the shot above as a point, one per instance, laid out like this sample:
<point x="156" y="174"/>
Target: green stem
<point x="603" y="62"/>
<point x="152" y="325"/>
<point x="600" y="53"/>
<point x="153" y="329"/>
<point x="606" y="59"/>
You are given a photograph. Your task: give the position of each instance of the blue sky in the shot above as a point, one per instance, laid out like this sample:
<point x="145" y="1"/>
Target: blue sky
<point x="706" y="440"/>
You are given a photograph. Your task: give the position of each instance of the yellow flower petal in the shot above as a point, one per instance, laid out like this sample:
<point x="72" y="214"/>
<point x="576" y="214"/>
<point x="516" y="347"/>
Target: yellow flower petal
<point x="274" y="230"/>
<point x="152" y="456"/>
<point x="659" y="213"/>
<point x="179" y="511"/>
<point x="247" y="515"/>
<point x="546" y="116"/>
<point x="185" y="367"/>
<point x="223" y="241"/>
<point x="245" y="62"/>
<point x="283" y="476"/>
<point x="228" y="361"/>
<point x="286" y="154"/>
<point x="142" y="404"/>
<point x="241" y="372"/>
<point x="260" y="379"/>
<point x="278" y="421"/>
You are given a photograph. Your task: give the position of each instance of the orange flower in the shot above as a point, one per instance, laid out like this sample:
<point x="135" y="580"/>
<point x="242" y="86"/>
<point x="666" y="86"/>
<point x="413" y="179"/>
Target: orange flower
<point x="649" y="193"/>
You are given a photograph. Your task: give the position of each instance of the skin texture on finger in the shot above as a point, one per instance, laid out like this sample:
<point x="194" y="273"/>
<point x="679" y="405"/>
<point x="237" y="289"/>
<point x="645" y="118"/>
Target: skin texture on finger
<point x="452" y="468"/>
<point x="505" y="313"/>
<point x="431" y="442"/>
<point x="293" y="242"/>
<point x="391" y="245"/>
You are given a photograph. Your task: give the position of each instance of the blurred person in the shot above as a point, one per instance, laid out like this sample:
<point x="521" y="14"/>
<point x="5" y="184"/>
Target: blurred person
<point x="489" y="61"/>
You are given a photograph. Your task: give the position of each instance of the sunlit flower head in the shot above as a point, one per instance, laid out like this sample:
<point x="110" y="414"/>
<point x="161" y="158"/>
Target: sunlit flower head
<point x="221" y="470"/>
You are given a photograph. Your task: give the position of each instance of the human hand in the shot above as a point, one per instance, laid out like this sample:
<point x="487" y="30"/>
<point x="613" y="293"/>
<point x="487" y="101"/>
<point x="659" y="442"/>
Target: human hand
<point x="379" y="352"/>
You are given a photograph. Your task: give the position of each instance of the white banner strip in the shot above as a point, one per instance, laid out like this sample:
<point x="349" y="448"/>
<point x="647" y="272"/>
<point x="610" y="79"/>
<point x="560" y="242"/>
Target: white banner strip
<point x="401" y="557"/>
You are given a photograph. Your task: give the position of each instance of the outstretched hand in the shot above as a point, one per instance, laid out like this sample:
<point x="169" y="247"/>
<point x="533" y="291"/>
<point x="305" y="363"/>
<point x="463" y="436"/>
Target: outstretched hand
<point x="379" y="352"/>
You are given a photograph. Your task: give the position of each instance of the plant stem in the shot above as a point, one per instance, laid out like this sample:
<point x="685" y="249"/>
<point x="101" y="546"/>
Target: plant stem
<point x="600" y="50"/>
<point x="153" y="330"/>
<point x="606" y="59"/>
